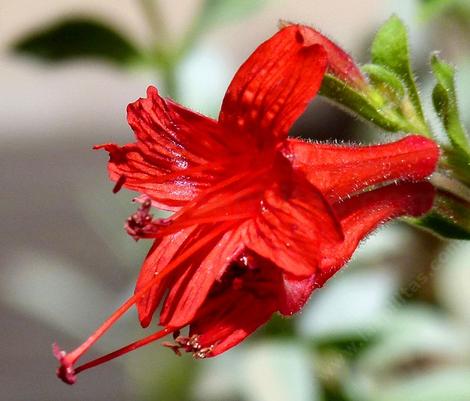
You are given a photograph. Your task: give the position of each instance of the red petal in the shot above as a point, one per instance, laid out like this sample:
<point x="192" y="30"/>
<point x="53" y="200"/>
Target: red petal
<point x="362" y="213"/>
<point x="233" y="199"/>
<point x="162" y="251"/>
<point x="342" y="170"/>
<point x="359" y="216"/>
<point x="296" y="292"/>
<point x="295" y="221"/>
<point x="233" y="310"/>
<point x="234" y="320"/>
<point x="273" y="87"/>
<point x="191" y="289"/>
<point x="340" y="63"/>
<point x="177" y="152"/>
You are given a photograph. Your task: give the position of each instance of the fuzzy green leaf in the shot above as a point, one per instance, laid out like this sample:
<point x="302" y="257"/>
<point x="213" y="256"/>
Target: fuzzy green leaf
<point x="367" y="105"/>
<point x="78" y="37"/>
<point x="458" y="161"/>
<point x="444" y="97"/>
<point x="390" y="49"/>
<point x="385" y="80"/>
<point x="449" y="218"/>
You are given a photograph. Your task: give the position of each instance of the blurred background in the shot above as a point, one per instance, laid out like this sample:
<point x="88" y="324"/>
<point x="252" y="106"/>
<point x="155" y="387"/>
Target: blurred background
<point x="393" y="325"/>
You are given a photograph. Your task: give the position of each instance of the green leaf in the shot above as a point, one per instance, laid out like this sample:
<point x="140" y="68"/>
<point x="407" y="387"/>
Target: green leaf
<point x="385" y="80"/>
<point x="458" y="162"/>
<point x="449" y="218"/>
<point x="79" y="37"/>
<point x="369" y="106"/>
<point x="390" y="49"/>
<point x="444" y="97"/>
<point x="391" y="100"/>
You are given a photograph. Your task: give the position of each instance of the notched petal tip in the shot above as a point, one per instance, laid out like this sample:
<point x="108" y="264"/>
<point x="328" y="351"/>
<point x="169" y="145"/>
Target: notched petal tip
<point x="301" y="33"/>
<point x="340" y="63"/>
<point x="65" y="371"/>
<point x="151" y="94"/>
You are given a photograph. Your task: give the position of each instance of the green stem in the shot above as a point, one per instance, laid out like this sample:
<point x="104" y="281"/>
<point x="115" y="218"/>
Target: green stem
<point x="162" y="57"/>
<point x="450" y="185"/>
<point x="170" y="80"/>
<point x="152" y="13"/>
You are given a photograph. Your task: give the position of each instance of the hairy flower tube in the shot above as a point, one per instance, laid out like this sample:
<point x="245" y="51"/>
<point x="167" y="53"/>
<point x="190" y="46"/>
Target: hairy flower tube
<point x="260" y="220"/>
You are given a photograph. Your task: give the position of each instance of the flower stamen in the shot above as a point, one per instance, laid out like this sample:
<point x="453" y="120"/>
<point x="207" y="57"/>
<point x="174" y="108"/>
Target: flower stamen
<point x="124" y="350"/>
<point x="67" y="372"/>
<point x="189" y="344"/>
<point x="119" y="183"/>
<point x="141" y="223"/>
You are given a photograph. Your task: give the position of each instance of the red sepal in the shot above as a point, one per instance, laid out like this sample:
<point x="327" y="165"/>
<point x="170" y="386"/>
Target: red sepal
<point x="341" y="170"/>
<point x="362" y="213"/>
<point x="359" y="216"/>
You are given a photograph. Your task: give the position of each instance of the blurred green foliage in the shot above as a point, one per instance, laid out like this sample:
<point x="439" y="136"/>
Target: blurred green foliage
<point x="78" y="37"/>
<point x="437" y="8"/>
<point x="75" y="38"/>
<point x="390" y="49"/>
<point x="445" y="102"/>
<point x="449" y="218"/>
<point x="217" y="12"/>
<point x="360" y="339"/>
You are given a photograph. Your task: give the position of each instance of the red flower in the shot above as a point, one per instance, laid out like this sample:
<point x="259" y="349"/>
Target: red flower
<point x="260" y="220"/>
